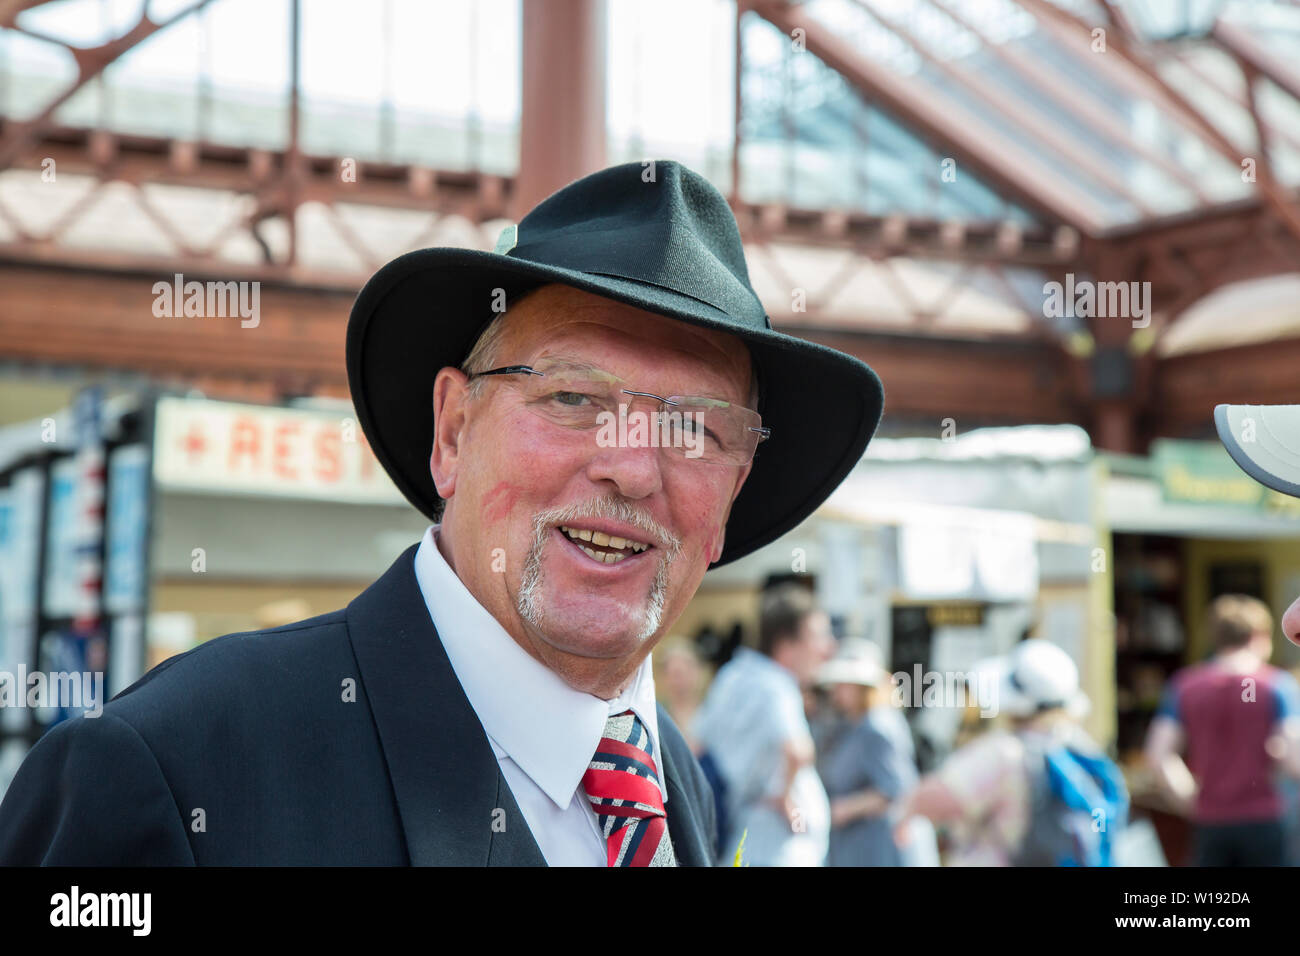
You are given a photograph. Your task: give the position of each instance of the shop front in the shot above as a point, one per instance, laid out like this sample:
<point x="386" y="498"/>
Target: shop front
<point x="201" y="518"/>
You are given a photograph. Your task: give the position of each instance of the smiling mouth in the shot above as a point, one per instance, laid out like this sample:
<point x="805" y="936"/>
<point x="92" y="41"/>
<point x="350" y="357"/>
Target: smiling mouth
<point x="603" y="548"/>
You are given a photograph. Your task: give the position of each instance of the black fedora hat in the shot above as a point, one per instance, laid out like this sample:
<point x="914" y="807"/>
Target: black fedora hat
<point x="656" y="236"/>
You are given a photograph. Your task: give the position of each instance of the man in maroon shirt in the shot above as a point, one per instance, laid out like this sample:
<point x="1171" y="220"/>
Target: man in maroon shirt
<point x="1236" y="718"/>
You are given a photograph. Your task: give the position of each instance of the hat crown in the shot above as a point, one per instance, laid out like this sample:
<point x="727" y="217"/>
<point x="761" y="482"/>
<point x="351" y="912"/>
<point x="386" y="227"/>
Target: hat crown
<point x="655" y="222"/>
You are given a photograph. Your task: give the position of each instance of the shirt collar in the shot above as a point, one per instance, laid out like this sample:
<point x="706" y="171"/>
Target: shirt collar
<point x="545" y="726"/>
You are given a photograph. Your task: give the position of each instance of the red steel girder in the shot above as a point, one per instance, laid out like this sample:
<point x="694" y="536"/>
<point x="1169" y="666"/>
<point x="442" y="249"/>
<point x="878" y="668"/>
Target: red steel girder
<point x="1280" y="200"/>
<point x="1055" y="87"/>
<point x="91" y="61"/>
<point x="1083" y="155"/>
<point x="1014" y="172"/>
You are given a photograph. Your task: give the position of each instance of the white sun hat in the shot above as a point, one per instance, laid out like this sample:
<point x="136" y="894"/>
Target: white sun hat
<point x="858" y="661"/>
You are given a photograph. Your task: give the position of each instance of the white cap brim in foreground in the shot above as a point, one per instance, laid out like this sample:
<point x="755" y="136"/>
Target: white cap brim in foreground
<point x="1264" y="441"/>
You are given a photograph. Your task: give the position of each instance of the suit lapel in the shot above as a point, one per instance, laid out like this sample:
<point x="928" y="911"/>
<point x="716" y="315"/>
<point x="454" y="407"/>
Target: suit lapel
<point x="445" y="776"/>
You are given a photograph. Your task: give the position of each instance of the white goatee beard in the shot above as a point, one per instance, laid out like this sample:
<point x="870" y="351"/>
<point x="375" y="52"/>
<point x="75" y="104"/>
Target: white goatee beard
<point x="615" y="509"/>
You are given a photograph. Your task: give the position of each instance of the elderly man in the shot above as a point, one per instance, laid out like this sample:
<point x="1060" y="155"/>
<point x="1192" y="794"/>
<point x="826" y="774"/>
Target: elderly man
<point x="581" y="410"/>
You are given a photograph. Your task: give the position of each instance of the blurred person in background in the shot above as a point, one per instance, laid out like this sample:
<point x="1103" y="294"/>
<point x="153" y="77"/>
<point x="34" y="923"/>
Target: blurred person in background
<point x="869" y="765"/>
<point x="825" y="721"/>
<point x="681" y="684"/>
<point x="1028" y="795"/>
<point x="1237" y="718"/>
<point x="755" y="741"/>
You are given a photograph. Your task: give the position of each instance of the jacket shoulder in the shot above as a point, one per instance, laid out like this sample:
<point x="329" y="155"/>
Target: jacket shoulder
<point x="252" y="747"/>
<point x="91" y="793"/>
<point x="240" y="664"/>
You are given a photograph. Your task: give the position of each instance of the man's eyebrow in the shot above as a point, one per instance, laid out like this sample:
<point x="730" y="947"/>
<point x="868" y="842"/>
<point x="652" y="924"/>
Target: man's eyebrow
<point x="563" y="360"/>
<point x="574" y="362"/>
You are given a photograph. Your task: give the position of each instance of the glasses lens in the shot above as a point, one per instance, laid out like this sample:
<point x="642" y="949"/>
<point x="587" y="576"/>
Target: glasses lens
<point x="714" y="431"/>
<point x="585" y="397"/>
<point x="569" y="395"/>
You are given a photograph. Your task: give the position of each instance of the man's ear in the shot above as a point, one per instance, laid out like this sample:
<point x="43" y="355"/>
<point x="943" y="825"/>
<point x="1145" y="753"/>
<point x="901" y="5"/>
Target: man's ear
<point x="450" y="397"/>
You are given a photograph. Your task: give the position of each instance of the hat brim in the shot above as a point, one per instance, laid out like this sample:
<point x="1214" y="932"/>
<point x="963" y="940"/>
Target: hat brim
<point x="424" y="311"/>
<point x="1273" y="457"/>
<point x="851" y="672"/>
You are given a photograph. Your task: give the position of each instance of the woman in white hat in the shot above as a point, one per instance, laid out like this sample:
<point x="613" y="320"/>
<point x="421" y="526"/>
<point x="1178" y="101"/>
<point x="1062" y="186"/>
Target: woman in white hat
<point x="871" y="764"/>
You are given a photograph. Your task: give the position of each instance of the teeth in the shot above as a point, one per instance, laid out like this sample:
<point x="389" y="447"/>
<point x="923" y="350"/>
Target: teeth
<point x="605" y="558"/>
<point x="605" y="540"/>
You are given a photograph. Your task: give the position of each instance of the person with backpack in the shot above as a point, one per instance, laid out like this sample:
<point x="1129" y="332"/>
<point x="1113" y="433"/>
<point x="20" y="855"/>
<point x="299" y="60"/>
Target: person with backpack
<point x="1041" y="793"/>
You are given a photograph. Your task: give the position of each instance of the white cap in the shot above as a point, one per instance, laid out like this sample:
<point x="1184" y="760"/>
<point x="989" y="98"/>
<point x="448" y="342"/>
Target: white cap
<point x="1264" y="441"/>
<point x="1037" y="675"/>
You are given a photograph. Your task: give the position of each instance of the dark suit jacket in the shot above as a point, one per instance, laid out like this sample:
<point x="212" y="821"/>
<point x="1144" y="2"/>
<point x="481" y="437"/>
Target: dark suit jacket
<point x="344" y="739"/>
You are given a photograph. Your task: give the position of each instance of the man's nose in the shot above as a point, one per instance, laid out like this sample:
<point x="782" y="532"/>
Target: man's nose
<point x="637" y="472"/>
<point x="1291" y="622"/>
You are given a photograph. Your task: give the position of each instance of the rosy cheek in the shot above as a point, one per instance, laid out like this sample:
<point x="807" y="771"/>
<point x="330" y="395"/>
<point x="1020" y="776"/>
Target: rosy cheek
<point x="538" y="462"/>
<point x="499" y="502"/>
<point x="708" y="517"/>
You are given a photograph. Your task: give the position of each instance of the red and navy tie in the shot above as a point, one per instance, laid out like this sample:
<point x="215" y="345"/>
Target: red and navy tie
<point x="622" y="783"/>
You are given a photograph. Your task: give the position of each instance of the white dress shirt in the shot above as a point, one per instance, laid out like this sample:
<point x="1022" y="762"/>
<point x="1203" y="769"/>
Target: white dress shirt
<point x="544" y="732"/>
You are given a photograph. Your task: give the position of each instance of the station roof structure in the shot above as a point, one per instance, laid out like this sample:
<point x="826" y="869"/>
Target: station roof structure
<point x="909" y="175"/>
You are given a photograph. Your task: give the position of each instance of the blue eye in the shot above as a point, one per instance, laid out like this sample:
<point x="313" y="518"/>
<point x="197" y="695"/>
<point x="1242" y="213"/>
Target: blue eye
<point x="571" y="399"/>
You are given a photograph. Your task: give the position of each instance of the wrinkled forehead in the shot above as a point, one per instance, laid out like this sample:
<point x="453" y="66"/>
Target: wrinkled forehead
<point x="560" y="322"/>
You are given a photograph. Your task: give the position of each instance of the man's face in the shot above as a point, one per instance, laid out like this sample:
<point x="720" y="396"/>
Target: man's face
<point x="814" y="646"/>
<point x="846" y="698"/>
<point x="682" y="674"/>
<point x="513" y="480"/>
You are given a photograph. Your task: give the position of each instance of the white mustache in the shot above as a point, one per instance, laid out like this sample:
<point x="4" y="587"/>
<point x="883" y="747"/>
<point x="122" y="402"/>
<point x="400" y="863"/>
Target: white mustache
<point x="612" y="508"/>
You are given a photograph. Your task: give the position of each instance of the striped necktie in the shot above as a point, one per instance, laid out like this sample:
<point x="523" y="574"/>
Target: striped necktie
<point x="622" y="783"/>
